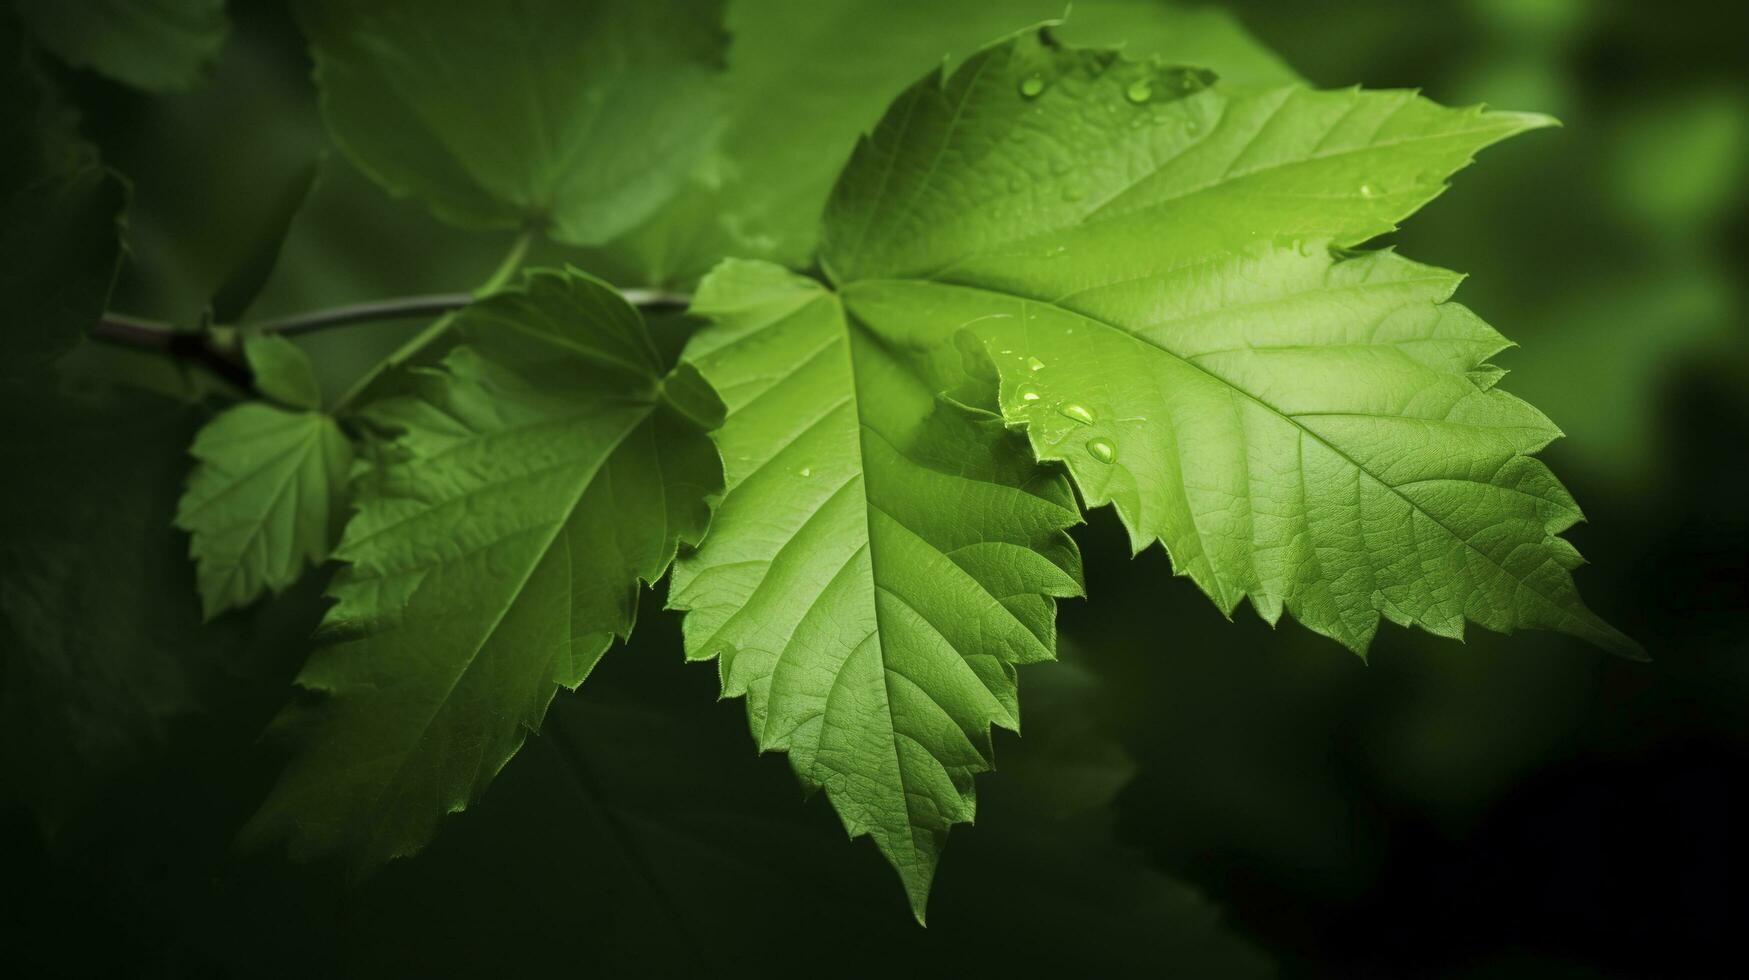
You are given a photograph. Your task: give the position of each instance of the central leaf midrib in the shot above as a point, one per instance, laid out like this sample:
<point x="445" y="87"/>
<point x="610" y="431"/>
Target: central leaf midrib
<point x="873" y="567"/>
<point x="312" y="442"/>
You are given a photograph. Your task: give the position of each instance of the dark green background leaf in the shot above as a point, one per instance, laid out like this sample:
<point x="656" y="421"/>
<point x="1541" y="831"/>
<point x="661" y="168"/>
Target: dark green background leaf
<point x="156" y="44"/>
<point x="60" y="219"/>
<point x="579" y="119"/>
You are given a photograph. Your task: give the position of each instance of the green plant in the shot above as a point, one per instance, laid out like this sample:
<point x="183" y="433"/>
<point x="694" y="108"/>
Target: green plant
<point x="860" y="396"/>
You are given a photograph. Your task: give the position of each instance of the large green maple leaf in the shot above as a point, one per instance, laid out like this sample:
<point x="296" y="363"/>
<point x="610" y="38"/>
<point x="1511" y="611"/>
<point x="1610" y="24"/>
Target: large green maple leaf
<point x="880" y="562"/>
<point x="553" y="461"/>
<point x="1157" y="266"/>
<point x="1091" y="225"/>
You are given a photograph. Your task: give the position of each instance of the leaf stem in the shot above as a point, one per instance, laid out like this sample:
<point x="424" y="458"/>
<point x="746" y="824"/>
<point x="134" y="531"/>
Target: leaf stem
<point x="400" y="308"/>
<point x="198" y="346"/>
<point x="128" y="331"/>
<point x="507" y="268"/>
<point x="436" y="328"/>
<point x="399" y="356"/>
<point x="133" y="331"/>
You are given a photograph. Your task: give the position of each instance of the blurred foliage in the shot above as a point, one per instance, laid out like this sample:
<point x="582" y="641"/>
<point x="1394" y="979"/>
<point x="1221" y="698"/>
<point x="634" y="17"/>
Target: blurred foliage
<point x="1509" y="807"/>
<point x="162" y="45"/>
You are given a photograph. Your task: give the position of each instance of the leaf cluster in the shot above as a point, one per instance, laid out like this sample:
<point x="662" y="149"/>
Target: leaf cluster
<point x="932" y="320"/>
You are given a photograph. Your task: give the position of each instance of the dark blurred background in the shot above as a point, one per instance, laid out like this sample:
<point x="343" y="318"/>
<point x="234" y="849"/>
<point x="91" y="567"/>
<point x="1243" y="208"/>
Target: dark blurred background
<point x="1193" y="796"/>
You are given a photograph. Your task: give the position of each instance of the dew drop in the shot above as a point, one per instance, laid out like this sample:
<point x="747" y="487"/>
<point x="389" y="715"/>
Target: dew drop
<point x="1061" y="166"/>
<point x="1076" y="412"/>
<point x="1074" y="192"/>
<point x="1032" y="85"/>
<point x="1139" y="90"/>
<point x="1368" y="190"/>
<point x="1102" y="449"/>
<point x="1034" y="364"/>
<point x="1028" y="393"/>
<point x="805" y="471"/>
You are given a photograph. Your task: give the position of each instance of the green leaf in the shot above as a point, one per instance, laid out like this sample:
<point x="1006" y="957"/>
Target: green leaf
<point x="581" y="118"/>
<point x="1150" y="262"/>
<point x="282" y="371"/>
<point x="60" y="220"/>
<point x="163" y="45"/>
<point x="265" y="497"/>
<point x="551" y="463"/>
<point x="807" y="77"/>
<point x="879" y="565"/>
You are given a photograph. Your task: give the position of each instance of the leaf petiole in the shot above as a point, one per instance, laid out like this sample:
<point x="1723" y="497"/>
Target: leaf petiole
<point x="436" y="328"/>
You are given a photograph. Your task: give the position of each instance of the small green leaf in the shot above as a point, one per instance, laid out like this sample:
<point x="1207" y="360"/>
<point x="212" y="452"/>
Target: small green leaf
<point x="265" y="498"/>
<point x="552" y="462"/>
<point x="580" y="118"/>
<point x="879" y="565"/>
<point x="1148" y="260"/>
<point x="61" y="217"/>
<point x="282" y="371"/>
<point x="163" y="45"/>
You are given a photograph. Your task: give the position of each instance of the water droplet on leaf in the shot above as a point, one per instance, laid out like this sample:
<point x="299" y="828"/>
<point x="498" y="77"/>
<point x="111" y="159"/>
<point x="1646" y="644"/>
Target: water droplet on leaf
<point x="1139" y="90"/>
<point x="805" y="471"/>
<point x="1102" y="449"/>
<point x="1028" y="393"/>
<point x="1032" y="85"/>
<point x="1076" y="412"/>
<point x="1034" y="364"/>
<point x="1368" y="190"/>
